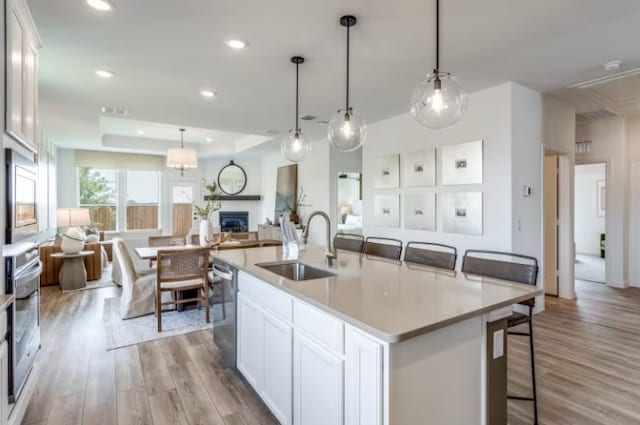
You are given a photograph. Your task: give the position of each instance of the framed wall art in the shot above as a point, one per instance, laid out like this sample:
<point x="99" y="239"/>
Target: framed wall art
<point x="387" y="172"/>
<point x="462" y="163"/>
<point x="386" y="210"/>
<point x="419" y="168"/>
<point x="419" y="211"/>
<point x="462" y="212"/>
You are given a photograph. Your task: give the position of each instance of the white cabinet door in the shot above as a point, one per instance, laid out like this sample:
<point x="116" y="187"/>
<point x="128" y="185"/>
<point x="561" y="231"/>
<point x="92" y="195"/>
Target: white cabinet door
<point x="29" y="93"/>
<point x="4" y="383"/>
<point x="317" y="384"/>
<point x="278" y="367"/>
<point x="363" y="379"/>
<point x="15" y="64"/>
<point x="250" y="338"/>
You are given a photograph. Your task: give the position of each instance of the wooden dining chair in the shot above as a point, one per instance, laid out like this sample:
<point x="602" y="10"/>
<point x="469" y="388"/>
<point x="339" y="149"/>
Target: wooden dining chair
<point x="383" y="247"/>
<point x="516" y="268"/>
<point x="348" y="242"/>
<point x="165" y="240"/>
<point x="182" y="270"/>
<point x="431" y="254"/>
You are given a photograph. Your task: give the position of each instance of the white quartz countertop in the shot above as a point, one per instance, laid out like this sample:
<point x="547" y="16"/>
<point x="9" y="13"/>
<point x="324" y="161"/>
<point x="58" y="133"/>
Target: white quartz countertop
<point x="390" y="300"/>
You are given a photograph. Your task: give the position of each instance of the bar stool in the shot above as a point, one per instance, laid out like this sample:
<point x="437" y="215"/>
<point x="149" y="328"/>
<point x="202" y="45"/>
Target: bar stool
<point x="517" y="268"/>
<point x="383" y="247"/>
<point x="431" y="254"/>
<point x="348" y="242"/>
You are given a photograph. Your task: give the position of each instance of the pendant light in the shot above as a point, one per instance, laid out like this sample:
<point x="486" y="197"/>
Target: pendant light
<point x="439" y="101"/>
<point x="182" y="159"/>
<point x="347" y="130"/>
<point x="296" y="146"/>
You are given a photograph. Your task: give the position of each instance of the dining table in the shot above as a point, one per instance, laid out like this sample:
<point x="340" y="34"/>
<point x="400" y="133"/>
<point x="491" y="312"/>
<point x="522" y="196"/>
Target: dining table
<point x="151" y="252"/>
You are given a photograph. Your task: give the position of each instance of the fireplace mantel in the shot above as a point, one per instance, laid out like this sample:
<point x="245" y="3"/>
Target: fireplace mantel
<point x="237" y="198"/>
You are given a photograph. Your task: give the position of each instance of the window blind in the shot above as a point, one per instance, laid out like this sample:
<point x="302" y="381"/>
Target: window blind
<point x="117" y="160"/>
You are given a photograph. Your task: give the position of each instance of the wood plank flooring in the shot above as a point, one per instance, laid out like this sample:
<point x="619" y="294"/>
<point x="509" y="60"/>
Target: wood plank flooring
<point x="175" y="380"/>
<point x="588" y="368"/>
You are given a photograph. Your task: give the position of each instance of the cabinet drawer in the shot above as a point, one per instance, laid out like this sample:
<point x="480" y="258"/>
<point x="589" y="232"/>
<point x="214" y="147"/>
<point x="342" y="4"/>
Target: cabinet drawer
<point x="324" y="328"/>
<point x="273" y="299"/>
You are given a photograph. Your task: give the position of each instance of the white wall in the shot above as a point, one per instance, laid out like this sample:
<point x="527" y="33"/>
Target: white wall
<point x="633" y="141"/>
<point x="588" y="224"/>
<point x="609" y="145"/>
<point x="488" y="118"/>
<point x="313" y="176"/>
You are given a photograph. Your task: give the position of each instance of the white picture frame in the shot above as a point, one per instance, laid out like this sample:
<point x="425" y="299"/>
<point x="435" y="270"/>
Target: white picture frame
<point x="386" y="211"/>
<point x="462" y="163"/>
<point x="419" y="168"/>
<point x="387" y="172"/>
<point x="419" y="211"/>
<point x="462" y="212"/>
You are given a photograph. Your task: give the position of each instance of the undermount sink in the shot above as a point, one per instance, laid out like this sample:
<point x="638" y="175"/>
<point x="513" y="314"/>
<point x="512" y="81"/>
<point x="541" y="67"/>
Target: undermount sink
<point x="294" y="270"/>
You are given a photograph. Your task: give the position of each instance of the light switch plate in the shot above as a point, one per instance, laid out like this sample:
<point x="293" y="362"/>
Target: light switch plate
<point x="498" y="344"/>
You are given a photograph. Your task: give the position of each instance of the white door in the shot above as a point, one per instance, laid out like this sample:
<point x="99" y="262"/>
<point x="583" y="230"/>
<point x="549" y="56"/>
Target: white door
<point x="317" y="384"/>
<point x="182" y="196"/>
<point x="250" y="356"/>
<point x="278" y="366"/>
<point x="634" y="251"/>
<point x="550" y="271"/>
<point x="363" y="380"/>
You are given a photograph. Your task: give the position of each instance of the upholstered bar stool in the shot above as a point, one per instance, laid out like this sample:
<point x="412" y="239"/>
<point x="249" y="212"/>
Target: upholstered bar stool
<point x="517" y="268"/>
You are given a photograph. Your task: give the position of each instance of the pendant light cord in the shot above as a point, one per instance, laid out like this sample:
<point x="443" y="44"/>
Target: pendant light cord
<point x="348" y="57"/>
<point x="437" y="70"/>
<point x="182" y="138"/>
<point x="297" y="97"/>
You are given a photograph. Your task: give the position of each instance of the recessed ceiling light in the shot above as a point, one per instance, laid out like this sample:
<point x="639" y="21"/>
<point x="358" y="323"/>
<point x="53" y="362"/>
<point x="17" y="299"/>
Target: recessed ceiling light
<point x="236" y="44"/>
<point x="102" y="5"/>
<point x="207" y="93"/>
<point x="105" y="73"/>
<point x="612" y="65"/>
<point x="208" y="139"/>
<point x="140" y="132"/>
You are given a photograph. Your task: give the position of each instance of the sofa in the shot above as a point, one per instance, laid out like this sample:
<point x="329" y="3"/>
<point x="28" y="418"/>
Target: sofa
<point x="51" y="266"/>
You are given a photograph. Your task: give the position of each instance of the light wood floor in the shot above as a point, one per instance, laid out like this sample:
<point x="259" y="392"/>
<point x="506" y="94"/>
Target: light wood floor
<point x="588" y="364"/>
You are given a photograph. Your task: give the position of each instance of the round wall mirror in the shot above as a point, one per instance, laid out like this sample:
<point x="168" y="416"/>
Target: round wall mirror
<point x="232" y="179"/>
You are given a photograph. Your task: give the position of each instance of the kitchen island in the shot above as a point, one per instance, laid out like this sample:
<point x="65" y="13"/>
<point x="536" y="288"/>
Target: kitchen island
<point x="370" y="340"/>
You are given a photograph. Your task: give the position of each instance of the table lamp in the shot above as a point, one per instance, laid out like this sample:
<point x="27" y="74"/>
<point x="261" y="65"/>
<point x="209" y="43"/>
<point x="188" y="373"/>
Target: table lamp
<point x="345" y="210"/>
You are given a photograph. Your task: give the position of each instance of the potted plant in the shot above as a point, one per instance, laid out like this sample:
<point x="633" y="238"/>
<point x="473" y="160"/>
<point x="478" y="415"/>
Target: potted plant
<point x="204" y="212"/>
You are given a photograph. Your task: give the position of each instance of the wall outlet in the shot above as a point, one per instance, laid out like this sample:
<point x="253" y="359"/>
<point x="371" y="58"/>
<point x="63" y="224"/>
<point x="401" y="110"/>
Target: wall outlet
<point x="498" y="344"/>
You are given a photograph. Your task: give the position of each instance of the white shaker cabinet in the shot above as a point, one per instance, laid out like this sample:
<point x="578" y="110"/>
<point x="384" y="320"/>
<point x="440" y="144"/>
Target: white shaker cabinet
<point x="264" y="356"/>
<point x="250" y="355"/>
<point x="4" y="383"/>
<point x="23" y="43"/>
<point x="317" y="383"/>
<point x="278" y="356"/>
<point x="363" y="379"/>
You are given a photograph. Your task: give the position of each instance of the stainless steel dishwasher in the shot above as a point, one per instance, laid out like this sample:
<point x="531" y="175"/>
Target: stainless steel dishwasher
<point x="224" y="322"/>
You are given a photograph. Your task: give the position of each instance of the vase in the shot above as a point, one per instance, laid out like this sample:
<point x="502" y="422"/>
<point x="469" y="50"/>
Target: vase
<point x="72" y="241"/>
<point x="206" y="232"/>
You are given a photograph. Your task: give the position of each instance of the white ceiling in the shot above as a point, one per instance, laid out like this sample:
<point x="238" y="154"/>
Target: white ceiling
<point x="165" y="51"/>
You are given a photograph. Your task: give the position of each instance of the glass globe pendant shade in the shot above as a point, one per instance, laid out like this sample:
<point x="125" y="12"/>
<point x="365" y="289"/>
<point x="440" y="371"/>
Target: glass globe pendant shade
<point x="439" y="101"/>
<point x="295" y="146"/>
<point x="347" y="131"/>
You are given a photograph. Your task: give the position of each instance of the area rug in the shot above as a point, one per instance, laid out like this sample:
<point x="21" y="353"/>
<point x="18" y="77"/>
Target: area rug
<point x="121" y="333"/>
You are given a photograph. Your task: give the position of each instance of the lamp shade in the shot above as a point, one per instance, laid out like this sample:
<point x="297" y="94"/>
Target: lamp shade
<point x="346" y="210"/>
<point x="71" y="217"/>
<point x="182" y="159"/>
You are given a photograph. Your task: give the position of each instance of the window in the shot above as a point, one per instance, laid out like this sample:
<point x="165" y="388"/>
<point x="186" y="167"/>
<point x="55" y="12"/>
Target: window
<point x="143" y="199"/>
<point x="98" y="191"/>
<point x="182" y="196"/>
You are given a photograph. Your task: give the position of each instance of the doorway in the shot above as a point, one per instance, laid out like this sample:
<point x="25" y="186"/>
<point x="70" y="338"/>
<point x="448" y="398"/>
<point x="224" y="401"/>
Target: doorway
<point x="349" y="205"/>
<point x="183" y="194"/>
<point x="590" y="200"/>
<point x="551" y="223"/>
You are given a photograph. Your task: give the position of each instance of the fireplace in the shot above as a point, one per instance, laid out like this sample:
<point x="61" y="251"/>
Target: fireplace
<point x="234" y="221"/>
